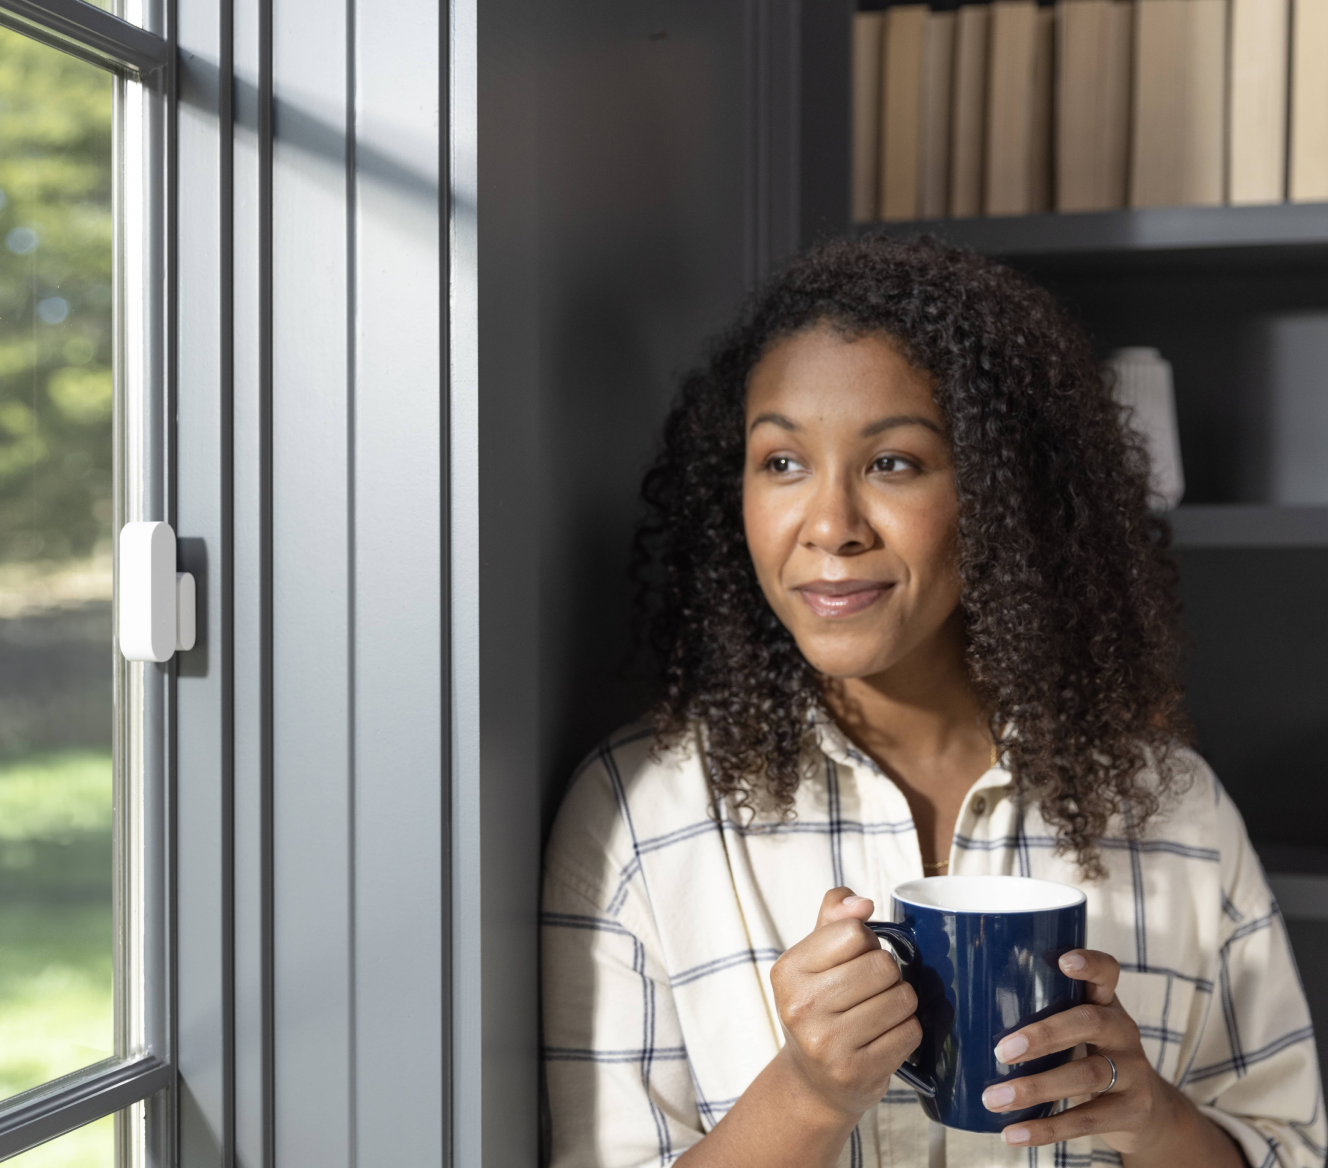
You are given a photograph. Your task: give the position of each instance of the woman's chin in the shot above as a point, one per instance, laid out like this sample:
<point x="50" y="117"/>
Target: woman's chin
<point x="842" y="663"/>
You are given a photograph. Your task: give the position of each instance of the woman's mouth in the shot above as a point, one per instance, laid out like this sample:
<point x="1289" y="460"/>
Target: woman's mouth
<point x="839" y="598"/>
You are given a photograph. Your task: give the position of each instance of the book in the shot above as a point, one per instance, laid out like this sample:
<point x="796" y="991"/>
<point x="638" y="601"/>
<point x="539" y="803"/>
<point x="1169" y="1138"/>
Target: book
<point x="901" y="110"/>
<point x="1011" y="108"/>
<point x="1040" y="147"/>
<point x="968" y="118"/>
<point x="1308" y="165"/>
<point x="1092" y="103"/>
<point x="937" y="89"/>
<point x="1256" y="134"/>
<point x="867" y="28"/>
<point x="1178" y="147"/>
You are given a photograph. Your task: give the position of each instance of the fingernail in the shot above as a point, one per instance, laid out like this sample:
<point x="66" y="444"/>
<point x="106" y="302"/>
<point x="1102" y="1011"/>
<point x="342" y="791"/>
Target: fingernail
<point x="994" y="1097"/>
<point x="1015" y="1135"/>
<point x="850" y="901"/>
<point x="1009" y="1049"/>
<point x="1073" y="962"/>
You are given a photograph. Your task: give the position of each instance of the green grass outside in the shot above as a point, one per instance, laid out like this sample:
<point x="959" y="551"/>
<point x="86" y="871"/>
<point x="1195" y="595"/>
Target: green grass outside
<point x="56" y="935"/>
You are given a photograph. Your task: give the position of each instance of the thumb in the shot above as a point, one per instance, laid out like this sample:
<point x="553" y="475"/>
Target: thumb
<point x="840" y="903"/>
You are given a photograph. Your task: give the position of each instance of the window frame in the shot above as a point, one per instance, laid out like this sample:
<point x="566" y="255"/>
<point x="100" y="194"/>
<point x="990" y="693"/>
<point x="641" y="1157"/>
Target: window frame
<point x="137" y="1081"/>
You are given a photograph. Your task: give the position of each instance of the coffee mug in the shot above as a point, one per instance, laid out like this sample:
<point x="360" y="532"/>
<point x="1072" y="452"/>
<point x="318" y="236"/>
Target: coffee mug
<point x="982" y="953"/>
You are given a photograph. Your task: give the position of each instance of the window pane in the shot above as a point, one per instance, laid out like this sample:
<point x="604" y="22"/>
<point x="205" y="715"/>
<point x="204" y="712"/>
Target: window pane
<point x="87" y="1147"/>
<point x="56" y="929"/>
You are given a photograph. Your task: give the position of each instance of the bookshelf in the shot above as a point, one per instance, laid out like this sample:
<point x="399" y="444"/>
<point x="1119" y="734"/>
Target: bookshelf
<point x="1236" y="525"/>
<point x="1279" y="233"/>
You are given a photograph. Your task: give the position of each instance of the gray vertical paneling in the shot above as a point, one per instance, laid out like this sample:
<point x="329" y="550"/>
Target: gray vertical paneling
<point x="312" y="598"/>
<point x="399" y="666"/>
<point x="467" y="1037"/>
<point x="313" y="719"/>
<point x="250" y="400"/>
<point x="202" y="749"/>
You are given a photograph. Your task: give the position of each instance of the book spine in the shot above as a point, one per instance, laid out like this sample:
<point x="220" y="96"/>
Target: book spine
<point x="1081" y="25"/>
<point x="866" y="112"/>
<point x="1256" y="145"/>
<point x="1308" y="177"/>
<point x="1040" y="146"/>
<point x="1178" y="143"/>
<point x="1206" y="115"/>
<point x="901" y="114"/>
<point x="937" y="88"/>
<point x="1115" y="156"/>
<point x="1092" y="104"/>
<point x="1010" y="104"/>
<point x="968" y="125"/>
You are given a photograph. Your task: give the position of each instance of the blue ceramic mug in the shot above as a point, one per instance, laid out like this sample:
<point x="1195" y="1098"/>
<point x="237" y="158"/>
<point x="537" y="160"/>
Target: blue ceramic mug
<point x="983" y="954"/>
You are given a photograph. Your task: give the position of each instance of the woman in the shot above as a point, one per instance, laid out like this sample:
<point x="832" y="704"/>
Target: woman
<point x="915" y="618"/>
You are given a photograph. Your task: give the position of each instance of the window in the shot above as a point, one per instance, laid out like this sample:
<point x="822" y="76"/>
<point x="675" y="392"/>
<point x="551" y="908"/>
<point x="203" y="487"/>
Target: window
<point x="81" y="842"/>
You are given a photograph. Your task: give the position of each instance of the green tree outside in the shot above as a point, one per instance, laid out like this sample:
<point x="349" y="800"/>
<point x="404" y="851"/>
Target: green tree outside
<point x="56" y="334"/>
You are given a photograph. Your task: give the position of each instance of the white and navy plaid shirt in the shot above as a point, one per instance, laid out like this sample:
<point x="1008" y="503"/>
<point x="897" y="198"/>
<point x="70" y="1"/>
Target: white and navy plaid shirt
<point x="661" y="925"/>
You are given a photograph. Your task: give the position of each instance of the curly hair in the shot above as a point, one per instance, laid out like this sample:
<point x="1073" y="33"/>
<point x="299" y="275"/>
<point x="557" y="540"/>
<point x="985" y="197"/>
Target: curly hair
<point x="1067" y="592"/>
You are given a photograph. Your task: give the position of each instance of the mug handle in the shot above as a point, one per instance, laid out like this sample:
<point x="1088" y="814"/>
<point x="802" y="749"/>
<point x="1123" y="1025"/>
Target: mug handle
<point x="905" y="948"/>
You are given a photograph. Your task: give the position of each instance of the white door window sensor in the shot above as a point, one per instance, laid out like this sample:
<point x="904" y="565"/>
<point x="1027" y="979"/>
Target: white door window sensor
<point x="156" y="603"/>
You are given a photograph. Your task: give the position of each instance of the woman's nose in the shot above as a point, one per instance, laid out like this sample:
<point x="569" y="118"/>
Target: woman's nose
<point x="836" y="523"/>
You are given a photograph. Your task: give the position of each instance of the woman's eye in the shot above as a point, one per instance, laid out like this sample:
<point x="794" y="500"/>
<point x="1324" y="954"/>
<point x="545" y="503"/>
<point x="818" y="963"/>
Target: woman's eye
<point x="890" y="464"/>
<point x="782" y="464"/>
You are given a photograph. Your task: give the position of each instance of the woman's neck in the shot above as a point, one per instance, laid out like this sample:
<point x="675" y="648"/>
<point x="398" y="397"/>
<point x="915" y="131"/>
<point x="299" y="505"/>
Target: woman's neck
<point x="923" y="724"/>
<point x="922" y="707"/>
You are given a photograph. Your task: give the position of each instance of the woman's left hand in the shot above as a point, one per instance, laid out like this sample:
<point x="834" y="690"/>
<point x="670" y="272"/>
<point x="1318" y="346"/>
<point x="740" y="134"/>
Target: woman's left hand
<point x="1133" y="1116"/>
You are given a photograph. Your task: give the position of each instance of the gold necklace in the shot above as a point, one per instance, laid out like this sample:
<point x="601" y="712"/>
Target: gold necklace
<point x="995" y="759"/>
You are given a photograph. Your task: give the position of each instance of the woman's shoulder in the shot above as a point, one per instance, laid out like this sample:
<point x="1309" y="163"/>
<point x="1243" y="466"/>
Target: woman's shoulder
<point x="1193" y="804"/>
<point x="1198" y="815"/>
<point x="630" y="792"/>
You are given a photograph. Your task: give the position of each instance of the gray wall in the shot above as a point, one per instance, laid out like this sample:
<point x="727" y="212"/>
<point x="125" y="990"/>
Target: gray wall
<point x="664" y="138"/>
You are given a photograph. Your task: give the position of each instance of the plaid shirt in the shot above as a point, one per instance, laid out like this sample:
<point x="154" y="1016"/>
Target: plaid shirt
<point x="661" y="923"/>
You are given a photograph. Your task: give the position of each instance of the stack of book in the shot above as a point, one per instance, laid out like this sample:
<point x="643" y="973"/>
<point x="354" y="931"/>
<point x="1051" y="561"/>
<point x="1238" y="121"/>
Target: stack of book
<point x="1010" y="108"/>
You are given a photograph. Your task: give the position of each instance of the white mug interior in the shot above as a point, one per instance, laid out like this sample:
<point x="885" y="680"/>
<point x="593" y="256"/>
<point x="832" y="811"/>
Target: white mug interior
<point x="988" y="894"/>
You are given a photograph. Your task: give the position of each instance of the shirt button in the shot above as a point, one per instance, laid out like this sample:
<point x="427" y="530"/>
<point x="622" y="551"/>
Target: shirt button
<point x="979" y="805"/>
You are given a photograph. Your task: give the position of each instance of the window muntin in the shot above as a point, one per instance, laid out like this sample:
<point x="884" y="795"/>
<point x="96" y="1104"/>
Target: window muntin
<point x="90" y="1146"/>
<point x="56" y="525"/>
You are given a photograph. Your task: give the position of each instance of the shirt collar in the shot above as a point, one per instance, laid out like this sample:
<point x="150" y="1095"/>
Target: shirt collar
<point x="834" y="744"/>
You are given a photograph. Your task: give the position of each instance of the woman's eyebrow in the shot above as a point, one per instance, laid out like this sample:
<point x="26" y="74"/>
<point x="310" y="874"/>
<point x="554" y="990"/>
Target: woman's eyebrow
<point x="783" y="421"/>
<point x="900" y="420"/>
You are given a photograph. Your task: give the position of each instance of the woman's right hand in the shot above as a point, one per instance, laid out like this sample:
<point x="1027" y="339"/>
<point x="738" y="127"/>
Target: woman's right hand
<point x="848" y="1016"/>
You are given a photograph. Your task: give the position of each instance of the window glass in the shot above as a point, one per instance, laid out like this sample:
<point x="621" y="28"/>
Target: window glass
<point x="86" y="1147"/>
<point x="56" y="665"/>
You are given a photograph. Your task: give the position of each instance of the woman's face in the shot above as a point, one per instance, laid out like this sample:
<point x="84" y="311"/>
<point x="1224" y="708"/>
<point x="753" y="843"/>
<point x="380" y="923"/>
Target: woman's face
<point x="849" y="501"/>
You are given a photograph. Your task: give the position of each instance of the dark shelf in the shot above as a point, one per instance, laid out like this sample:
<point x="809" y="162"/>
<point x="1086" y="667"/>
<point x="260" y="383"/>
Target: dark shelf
<point x="1300" y="896"/>
<point x="1279" y="233"/>
<point x="1239" y="525"/>
<point x="1299" y="859"/>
